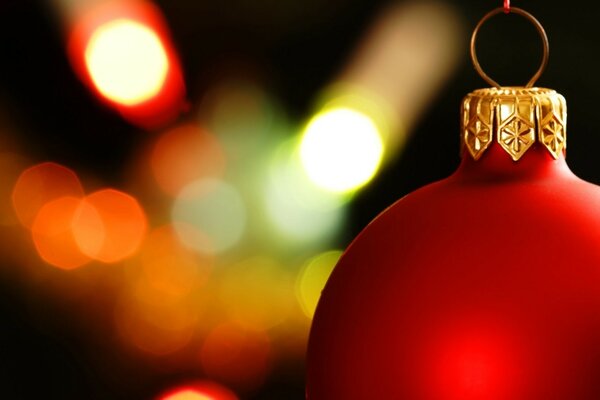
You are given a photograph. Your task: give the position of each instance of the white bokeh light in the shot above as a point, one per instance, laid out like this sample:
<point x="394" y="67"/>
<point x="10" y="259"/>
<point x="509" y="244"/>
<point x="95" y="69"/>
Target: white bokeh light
<point x="127" y="61"/>
<point x="341" y="149"/>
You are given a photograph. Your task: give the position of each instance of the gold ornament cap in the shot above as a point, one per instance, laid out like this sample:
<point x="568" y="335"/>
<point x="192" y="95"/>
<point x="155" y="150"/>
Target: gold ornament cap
<point x="514" y="117"/>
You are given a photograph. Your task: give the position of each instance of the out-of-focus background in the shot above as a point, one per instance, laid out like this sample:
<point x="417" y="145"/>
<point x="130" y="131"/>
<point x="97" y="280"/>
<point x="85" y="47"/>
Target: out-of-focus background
<point x="178" y="178"/>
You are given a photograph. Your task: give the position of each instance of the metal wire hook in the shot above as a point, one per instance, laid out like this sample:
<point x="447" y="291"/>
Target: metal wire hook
<point x="531" y="19"/>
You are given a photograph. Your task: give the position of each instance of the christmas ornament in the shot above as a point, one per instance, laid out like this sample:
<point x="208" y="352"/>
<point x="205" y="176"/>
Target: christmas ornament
<point x="485" y="285"/>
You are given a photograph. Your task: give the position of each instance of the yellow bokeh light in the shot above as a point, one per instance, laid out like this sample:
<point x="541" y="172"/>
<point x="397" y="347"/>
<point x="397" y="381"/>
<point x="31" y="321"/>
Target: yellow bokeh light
<point x="312" y="279"/>
<point x="126" y="61"/>
<point x="202" y="390"/>
<point x="341" y="149"/>
<point x="257" y="293"/>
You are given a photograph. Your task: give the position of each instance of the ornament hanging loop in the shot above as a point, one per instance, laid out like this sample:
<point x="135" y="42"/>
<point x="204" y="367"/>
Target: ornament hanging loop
<point x="530" y="18"/>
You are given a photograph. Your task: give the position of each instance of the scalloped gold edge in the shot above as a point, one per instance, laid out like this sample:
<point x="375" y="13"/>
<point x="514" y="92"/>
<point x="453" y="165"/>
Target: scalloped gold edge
<point x="516" y="118"/>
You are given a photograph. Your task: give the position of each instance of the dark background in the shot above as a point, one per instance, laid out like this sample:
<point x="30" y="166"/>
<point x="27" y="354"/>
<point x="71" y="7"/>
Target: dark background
<point x="295" y="48"/>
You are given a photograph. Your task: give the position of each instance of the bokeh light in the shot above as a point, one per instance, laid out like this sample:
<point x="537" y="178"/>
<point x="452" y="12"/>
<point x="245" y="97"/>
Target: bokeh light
<point x="203" y="390"/>
<point x="215" y="282"/>
<point x="38" y="185"/>
<point x="188" y="394"/>
<point x="242" y="115"/>
<point x="170" y="268"/>
<point x="88" y="229"/>
<point x="116" y="232"/>
<point x="342" y="95"/>
<point x="52" y="234"/>
<point x="127" y="61"/>
<point x="312" y="279"/>
<point x="341" y="149"/>
<point x="298" y="209"/>
<point x="408" y="52"/>
<point x="185" y="154"/>
<point x="122" y="50"/>
<point x="257" y="292"/>
<point x="209" y="215"/>
<point x="237" y="356"/>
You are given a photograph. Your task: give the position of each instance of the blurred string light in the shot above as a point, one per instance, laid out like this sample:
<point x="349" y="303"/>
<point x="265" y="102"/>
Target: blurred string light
<point x="123" y="51"/>
<point x="126" y="61"/>
<point x="233" y="179"/>
<point x="374" y="103"/>
<point x="209" y="216"/>
<point x="39" y="184"/>
<point x="410" y="51"/>
<point x="69" y="229"/>
<point x="341" y="149"/>
<point x="289" y="212"/>
<point x="203" y="390"/>
<point x="312" y="278"/>
<point x="238" y="356"/>
<point x="45" y="198"/>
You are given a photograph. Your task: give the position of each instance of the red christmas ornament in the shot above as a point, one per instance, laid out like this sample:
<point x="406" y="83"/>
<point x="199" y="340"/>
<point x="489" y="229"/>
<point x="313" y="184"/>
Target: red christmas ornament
<point x="485" y="285"/>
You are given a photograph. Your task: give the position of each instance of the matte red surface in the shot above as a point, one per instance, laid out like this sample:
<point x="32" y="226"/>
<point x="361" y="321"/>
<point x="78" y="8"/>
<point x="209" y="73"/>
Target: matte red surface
<point x="485" y="285"/>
